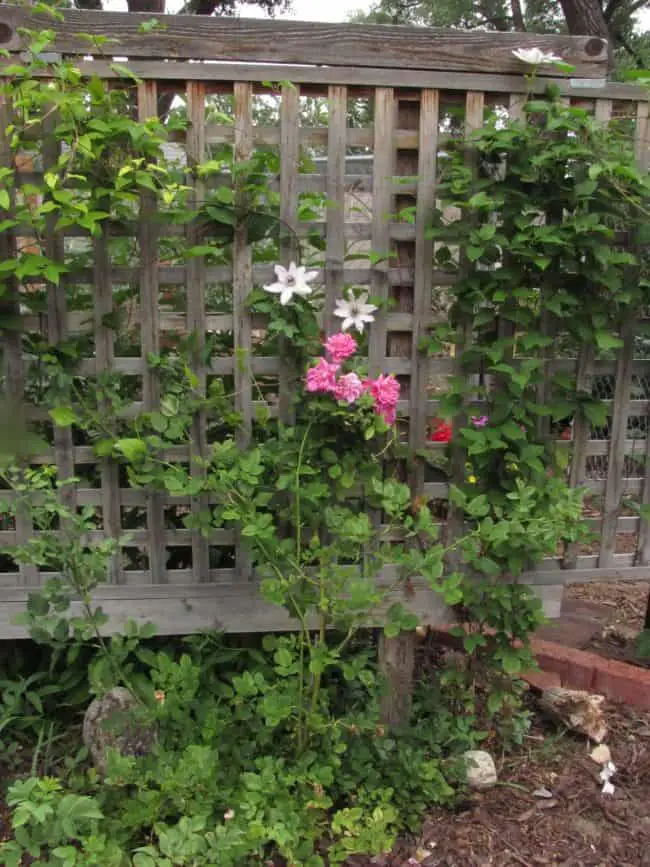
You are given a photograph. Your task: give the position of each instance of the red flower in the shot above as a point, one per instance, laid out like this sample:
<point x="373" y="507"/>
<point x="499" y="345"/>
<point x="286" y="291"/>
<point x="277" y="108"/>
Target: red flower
<point x="441" y="432"/>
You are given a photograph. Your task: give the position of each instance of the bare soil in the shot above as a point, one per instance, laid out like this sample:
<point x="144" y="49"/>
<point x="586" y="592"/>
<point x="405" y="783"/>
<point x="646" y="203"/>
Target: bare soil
<point x="578" y="827"/>
<point x="617" y="611"/>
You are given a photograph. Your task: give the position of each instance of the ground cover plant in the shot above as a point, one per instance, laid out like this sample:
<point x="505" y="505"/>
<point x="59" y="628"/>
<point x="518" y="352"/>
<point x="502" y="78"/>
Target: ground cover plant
<point x="276" y="749"/>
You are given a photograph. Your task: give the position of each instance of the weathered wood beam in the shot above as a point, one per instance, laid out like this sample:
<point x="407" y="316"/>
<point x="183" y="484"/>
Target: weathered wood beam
<point x="190" y="37"/>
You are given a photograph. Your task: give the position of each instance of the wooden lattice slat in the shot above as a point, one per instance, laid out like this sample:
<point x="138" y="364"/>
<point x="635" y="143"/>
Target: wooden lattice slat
<point x="241" y="287"/>
<point x="289" y="248"/>
<point x="103" y="310"/>
<point x="196" y="281"/>
<point x="337" y="138"/>
<point x="147" y="93"/>
<point x="382" y="203"/>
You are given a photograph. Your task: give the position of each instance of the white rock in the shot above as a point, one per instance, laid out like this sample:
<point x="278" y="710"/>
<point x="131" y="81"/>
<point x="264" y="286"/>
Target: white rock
<point x="481" y="770"/>
<point x="601" y="754"/>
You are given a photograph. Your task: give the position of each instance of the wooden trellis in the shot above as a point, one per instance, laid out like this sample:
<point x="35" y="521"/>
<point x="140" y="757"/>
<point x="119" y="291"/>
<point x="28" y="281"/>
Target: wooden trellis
<point x="412" y="79"/>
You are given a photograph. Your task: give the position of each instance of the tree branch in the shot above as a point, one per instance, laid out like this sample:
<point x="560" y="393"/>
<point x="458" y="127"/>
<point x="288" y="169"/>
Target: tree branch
<point x="634" y="54"/>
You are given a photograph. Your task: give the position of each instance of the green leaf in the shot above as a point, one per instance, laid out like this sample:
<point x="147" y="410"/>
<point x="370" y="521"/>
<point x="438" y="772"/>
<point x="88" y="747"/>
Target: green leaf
<point x="133" y="449"/>
<point x="511" y="661"/>
<point x="607" y="341"/>
<point x="63" y="416"/>
<point x="124" y="72"/>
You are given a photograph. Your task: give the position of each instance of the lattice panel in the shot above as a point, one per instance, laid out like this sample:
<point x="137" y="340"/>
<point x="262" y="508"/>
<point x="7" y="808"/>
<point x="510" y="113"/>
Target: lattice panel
<point x="350" y="144"/>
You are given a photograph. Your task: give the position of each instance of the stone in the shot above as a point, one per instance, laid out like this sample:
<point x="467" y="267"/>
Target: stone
<point x="621" y="633"/>
<point x="576" y="709"/>
<point x="481" y="770"/>
<point x="112" y="721"/>
<point x="601" y="754"/>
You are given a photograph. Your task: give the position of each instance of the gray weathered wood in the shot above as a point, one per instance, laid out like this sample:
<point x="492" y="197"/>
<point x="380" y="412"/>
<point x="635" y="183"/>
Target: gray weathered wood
<point x="615" y="484"/>
<point x="397" y="655"/>
<point x="289" y="245"/>
<point x="104" y="355"/>
<point x="397" y="661"/>
<point x="368" y="76"/>
<point x="188" y="37"/>
<point x="57" y="317"/>
<point x="12" y="357"/>
<point x="150" y="333"/>
<point x="335" y="253"/>
<point x="382" y="202"/>
<point x="423" y="278"/>
<point x="235" y="606"/>
<point x="241" y="287"/>
<point x="643" y="544"/>
<point x="195" y="94"/>
<point x="581" y="430"/>
<point x="474" y="109"/>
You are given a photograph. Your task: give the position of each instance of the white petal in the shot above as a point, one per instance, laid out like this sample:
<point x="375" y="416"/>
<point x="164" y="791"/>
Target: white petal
<point x="342" y="310"/>
<point x="346" y="322"/>
<point x="358" y="324"/>
<point x="293" y="270"/>
<point x="365" y="317"/>
<point x="529" y="55"/>
<point x="367" y="308"/>
<point x="311" y="275"/>
<point x="286" y="295"/>
<point x="275" y="287"/>
<point x="302" y="289"/>
<point x="608" y="788"/>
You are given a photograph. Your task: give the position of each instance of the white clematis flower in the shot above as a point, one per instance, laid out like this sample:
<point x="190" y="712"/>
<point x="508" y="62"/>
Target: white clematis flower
<point x="535" y="56"/>
<point x="355" y="312"/>
<point x="291" y="281"/>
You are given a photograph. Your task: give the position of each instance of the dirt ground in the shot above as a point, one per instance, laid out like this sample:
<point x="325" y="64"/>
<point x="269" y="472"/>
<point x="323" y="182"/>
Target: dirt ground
<point x="605" y="619"/>
<point x="577" y="827"/>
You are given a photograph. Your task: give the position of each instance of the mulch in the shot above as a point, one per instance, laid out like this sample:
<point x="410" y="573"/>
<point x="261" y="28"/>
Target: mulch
<point x="508" y="826"/>
<point x="618" y="610"/>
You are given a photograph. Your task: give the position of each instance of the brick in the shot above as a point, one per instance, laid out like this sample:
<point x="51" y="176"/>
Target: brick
<point x="579" y="669"/>
<point x="620" y="681"/>
<point x="541" y="680"/>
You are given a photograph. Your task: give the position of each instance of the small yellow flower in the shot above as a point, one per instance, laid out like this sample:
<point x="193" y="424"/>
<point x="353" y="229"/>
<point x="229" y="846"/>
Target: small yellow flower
<point x="472" y="480"/>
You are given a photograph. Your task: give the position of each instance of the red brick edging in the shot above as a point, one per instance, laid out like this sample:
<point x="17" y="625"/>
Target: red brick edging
<point x="578" y="669"/>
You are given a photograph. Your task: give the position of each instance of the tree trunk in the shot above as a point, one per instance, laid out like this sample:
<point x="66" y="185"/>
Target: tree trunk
<point x="586" y="18"/>
<point x="157" y="6"/>
<point x="518" y="16"/>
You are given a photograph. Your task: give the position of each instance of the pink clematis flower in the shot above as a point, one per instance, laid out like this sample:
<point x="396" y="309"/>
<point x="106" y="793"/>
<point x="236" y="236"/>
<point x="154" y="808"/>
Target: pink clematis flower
<point x="479" y="420"/>
<point x="385" y="390"/>
<point x="340" y="346"/>
<point x="321" y="377"/>
<point x="348" y="388"/>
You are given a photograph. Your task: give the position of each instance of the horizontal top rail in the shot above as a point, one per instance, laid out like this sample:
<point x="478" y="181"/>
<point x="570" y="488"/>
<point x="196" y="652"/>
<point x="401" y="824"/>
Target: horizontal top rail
<point x="219" y="76"/>
<point x="185" y="37"/>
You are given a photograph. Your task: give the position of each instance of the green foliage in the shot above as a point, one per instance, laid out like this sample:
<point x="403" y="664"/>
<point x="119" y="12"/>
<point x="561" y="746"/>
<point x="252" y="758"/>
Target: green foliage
<point x="537" y="242"/>
<point x="224" y="784"/>
<point x="279" y="750"/>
